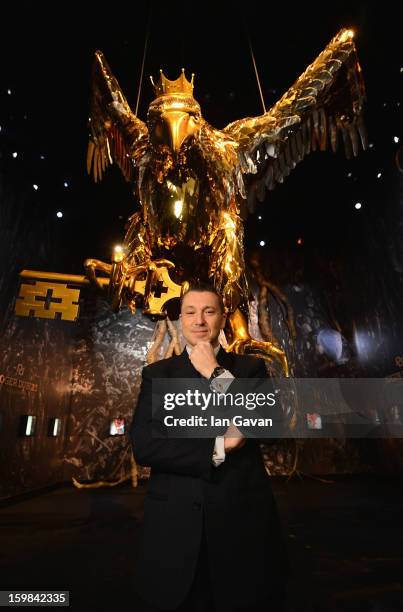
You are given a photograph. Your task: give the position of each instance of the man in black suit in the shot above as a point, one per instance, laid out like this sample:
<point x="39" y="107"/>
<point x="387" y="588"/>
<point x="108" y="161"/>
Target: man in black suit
<point x="211" y="539"/>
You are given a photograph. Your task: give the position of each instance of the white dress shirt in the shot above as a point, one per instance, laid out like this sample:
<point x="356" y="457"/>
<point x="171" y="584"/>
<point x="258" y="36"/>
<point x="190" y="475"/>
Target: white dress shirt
<point x="220" y="384"/>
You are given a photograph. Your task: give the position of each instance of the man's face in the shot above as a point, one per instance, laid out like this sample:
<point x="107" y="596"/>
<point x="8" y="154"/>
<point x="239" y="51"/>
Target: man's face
<point x="201" y="317"/>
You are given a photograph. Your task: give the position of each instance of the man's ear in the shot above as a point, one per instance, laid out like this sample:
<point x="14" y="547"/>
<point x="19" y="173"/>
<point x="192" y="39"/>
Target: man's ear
<point x="224" y="319"/>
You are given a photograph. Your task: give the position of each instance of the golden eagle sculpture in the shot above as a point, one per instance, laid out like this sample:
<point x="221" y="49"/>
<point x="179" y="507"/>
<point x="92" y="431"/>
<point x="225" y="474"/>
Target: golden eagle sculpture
<point x="195" y="184"/>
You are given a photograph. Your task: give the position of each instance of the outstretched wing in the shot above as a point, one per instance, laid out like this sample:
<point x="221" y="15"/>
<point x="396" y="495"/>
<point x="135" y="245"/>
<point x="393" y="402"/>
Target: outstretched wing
<point x="326" y="100"/>
<point x="115" y="132"/>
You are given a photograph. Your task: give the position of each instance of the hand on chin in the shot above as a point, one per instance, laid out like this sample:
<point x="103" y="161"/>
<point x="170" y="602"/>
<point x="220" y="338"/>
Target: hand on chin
<point x="202" y="356"/>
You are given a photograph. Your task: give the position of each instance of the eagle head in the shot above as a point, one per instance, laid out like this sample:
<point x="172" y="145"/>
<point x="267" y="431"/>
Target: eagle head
<point x="174" y="115"/>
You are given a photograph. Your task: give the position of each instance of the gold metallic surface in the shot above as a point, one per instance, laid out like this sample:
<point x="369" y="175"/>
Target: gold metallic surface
<point x="324" y="103"/>
<point x="243" y="343"/>
<point x="196" y="184"/>
<point x="166" y="87"/>
<point x="46" y="300"/>
<point x="73" y="279"/>
<point x="157" y="287"/>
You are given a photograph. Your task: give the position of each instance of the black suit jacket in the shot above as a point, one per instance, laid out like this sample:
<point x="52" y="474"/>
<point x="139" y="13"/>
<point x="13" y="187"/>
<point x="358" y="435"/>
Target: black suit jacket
<point x="244" y="535"/>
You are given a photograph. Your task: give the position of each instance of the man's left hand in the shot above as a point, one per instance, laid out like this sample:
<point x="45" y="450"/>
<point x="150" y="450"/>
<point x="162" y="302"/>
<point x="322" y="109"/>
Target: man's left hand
<point x="203" y="358"/>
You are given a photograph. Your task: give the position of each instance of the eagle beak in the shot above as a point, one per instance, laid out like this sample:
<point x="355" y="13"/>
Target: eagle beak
<point x="177" y="129"/>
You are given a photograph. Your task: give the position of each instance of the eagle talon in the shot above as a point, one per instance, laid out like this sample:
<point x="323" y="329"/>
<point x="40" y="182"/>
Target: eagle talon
<point x="242" y="343"/>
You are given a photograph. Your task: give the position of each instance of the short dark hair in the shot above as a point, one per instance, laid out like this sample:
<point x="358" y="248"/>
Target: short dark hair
<point x="200" y="287"/>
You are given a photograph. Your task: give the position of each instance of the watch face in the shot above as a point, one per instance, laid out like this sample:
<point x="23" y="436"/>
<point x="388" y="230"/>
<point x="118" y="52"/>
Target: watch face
<point x="217" y="371"/>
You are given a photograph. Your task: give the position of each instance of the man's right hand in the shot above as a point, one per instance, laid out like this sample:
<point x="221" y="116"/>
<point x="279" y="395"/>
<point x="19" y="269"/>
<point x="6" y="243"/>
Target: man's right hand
<point x="233" y="438"/>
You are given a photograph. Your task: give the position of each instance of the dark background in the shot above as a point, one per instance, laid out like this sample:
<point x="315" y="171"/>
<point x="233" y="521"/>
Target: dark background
<point x="47" y="53"/>
<point x="345" y="276"/>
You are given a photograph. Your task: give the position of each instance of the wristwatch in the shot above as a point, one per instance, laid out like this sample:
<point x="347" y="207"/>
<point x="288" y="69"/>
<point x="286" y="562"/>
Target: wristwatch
<point x="216" y="372"/>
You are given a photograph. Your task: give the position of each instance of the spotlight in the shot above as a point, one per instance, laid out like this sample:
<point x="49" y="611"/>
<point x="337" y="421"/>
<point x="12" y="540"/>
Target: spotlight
<point x="329" y="341"/>
<point x="118" y="254"/>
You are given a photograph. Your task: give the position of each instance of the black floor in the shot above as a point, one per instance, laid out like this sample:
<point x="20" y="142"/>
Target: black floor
<point x="345" y="541"/>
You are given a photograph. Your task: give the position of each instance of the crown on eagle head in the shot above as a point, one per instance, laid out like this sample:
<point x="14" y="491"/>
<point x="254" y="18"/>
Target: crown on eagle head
<point x="179" y="87"/>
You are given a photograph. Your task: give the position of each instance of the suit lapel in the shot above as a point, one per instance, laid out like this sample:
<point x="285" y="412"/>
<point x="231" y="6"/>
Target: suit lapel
<point x="184" y="367"/>
<point x="226" y="360"/>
